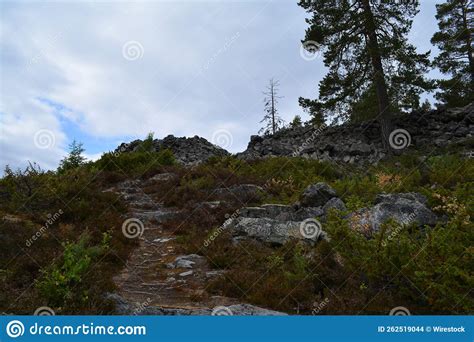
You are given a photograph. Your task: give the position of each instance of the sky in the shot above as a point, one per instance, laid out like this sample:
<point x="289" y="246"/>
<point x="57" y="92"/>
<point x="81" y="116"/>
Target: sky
<point x="103" y="73"/>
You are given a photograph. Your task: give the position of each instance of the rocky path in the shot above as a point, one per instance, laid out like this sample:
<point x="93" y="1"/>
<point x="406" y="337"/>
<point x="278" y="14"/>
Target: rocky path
<point x="157" y="279"/>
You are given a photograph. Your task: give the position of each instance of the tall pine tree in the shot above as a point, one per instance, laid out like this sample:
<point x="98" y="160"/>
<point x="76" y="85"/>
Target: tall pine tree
<point x="454" y="39"/>
<point x="364" y="45"/>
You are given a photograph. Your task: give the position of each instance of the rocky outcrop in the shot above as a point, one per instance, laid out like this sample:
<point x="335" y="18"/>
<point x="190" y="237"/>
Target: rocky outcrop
<point x="361" y="143"/>
<point x="187" y="151"/>
<point x="278" y="223"/>
<point x="403" y="208"/>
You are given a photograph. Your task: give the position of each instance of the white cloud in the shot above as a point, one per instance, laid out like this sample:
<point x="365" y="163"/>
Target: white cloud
<point x="203" y="68"/>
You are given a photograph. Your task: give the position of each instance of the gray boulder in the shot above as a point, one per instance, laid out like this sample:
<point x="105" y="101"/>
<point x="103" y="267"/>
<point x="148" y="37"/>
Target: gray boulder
<point x="334" y="203"/>
<point x="275" y="223"/>
<point x="266" y="229"/>
<point x="403" y="208"/>
<point x="317" y="195"/>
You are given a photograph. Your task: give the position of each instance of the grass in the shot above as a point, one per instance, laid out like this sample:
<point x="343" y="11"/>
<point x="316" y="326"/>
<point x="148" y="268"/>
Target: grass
<point x="80" y="246"/>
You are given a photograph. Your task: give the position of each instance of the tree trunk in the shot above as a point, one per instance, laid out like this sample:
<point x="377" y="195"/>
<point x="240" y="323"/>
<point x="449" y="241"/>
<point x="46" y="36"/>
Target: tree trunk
<point x="468" y="41"/>
<point x="273" y="107"/>
<point x="385" y="115"/>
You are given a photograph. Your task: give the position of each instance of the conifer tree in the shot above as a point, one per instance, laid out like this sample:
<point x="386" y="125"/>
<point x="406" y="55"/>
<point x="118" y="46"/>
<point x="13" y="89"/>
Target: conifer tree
<point x="364" y="45"/>
<point x="74" y="158"/>
<point x="454" y="39"/>
<point x="272" y="120"/>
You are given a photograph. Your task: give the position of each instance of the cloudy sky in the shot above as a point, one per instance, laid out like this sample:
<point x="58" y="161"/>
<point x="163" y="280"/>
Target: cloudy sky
<point x="108" y="72"/>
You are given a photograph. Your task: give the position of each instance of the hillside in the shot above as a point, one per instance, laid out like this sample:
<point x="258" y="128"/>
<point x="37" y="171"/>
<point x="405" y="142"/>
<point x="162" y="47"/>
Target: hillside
<point x="308" y="221"/>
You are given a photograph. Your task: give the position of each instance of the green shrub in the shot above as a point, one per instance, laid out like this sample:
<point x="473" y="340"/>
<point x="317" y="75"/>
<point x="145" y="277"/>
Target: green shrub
<point x="133" y="163"/>
<point x="62" y="283"/>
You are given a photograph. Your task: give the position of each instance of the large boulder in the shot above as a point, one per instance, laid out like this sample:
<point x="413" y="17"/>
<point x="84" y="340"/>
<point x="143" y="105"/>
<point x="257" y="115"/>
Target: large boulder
<point x="277" y="223"/>
<point x="403" y="208"/>
<point x="317" y="195"/>
<point x="334" y="203"/>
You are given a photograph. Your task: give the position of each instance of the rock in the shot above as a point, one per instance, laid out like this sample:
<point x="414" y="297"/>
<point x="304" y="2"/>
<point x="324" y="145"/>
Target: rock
<point x="185" y="274"/>
<point x="269" y="230"/>
<point x="404" y="208"/>
<point x="360" y="148"/>
<point x="163" y="240"/>
<point x="302" y="214"/>
<point x="266" y="229"/>
<point x="212" y="204"/>
<point x="185" y="261"/>
<point x="273" y="223"/>
<point x="334" y="203"/>
<point x="251" y="310"/>
<point x="187" y="151"/>
<point x="317" y="195"/>
<point x="122" y="307"/>
<point x="410" y="196"/>
<point x="348" y="142"/>
<point x="163" y="177"/>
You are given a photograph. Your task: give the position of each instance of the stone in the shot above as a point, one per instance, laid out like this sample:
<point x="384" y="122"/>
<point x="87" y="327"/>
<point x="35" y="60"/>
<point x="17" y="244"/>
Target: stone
<point x="403" y="208"/>
<point x="334" y="203"/>
<point x="187" y="151"/>
<point x="317" y="195"/>
<point x="360" y="148"/>
<point x="185" y="274"/>
<point x="270" y="231"/>
<point x="161" y="177"/>
<point x="273" y="223"/>
<point x="185" y="261"/>
<point x="349" y="140"/>
<point x="251" y="310"/>
<point x="122" y="307"/>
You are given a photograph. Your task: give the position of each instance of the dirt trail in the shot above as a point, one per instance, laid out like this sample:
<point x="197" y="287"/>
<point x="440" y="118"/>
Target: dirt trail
<point x="156" y="274"/>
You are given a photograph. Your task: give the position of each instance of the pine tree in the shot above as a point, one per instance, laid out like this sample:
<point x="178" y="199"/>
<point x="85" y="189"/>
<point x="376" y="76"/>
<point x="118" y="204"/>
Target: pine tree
<point x="272" y="121"/>
<point x="296" y="122"/>
<point x="74" y="158"/>
<point x="454" y="39"/>
<point x="364" y="45"/>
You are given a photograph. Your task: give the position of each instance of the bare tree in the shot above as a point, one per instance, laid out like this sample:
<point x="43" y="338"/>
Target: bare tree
<point x="272" y="121"/>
